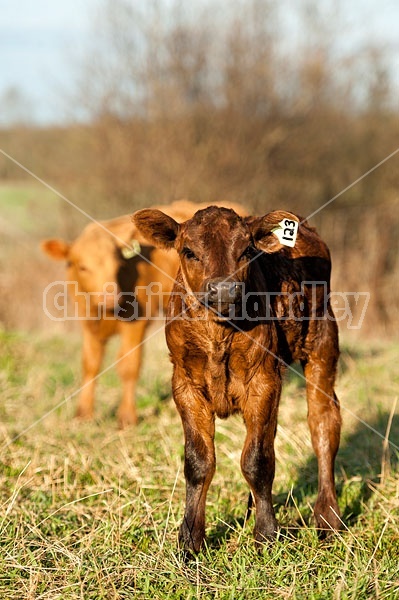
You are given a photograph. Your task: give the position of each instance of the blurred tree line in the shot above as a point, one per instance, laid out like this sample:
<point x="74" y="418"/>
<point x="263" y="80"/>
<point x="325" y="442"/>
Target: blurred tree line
<point x="209" y="100"/>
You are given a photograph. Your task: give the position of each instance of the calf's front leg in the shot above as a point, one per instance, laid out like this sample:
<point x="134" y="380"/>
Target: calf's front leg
<point x="258" y="460"/>
<point x="92" y="355"/>
<point x="199" y="466"/>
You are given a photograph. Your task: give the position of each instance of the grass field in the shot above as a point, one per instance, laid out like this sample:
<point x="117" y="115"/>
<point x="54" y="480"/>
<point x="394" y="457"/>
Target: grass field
<point x="91" y="512"/>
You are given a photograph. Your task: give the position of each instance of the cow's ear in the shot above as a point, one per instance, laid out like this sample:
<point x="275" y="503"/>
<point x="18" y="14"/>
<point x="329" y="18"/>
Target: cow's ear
<point x="55" y="249"/>
<point x="274" y="231"/>
<point x="158" y="229"/>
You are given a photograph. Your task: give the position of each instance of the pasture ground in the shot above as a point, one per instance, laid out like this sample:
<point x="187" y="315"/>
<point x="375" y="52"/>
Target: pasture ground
<point x="90" y="512"/>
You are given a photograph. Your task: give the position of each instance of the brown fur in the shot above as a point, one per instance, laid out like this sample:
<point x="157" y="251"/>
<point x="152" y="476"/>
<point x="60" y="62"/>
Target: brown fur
<point x="225" y="364"/>
<point x="94" y="259"/>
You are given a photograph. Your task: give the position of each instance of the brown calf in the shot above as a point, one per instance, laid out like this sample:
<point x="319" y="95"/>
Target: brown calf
<point x="240" y="312"/>
<point x="103" y="262"/>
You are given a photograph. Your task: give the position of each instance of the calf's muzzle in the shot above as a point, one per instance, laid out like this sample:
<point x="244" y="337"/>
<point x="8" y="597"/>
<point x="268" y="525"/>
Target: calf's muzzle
<point x="222" y="291"/>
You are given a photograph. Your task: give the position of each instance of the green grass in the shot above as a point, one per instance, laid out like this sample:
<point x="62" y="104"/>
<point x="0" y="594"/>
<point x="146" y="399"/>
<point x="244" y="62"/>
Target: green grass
<point x="29" y="208"/>
<point x="90" y="512"/>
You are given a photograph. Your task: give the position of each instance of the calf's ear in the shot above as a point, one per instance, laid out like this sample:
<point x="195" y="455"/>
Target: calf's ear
<point x="274" y="231"/>
<point x="55" y="249"/>
<point x="158" y="229"/>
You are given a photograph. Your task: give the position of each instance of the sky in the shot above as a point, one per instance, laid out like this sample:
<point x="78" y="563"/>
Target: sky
<point x="40" y="44"/>
<point x="42" y="41"/>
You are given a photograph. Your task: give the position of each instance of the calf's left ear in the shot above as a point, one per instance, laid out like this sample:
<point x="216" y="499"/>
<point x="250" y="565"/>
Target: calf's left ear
<point x="274" y="231"/>
<point x="158" y="229"/>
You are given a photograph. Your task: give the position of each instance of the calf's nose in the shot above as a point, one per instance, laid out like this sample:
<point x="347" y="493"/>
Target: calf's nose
<point x="223" y="291"/>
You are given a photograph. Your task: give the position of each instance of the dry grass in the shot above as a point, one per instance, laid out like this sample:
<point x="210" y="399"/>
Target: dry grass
<point x="90" y="512"/>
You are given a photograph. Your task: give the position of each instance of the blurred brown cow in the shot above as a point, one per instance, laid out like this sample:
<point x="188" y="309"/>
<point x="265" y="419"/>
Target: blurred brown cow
<point x="110" y="275"/>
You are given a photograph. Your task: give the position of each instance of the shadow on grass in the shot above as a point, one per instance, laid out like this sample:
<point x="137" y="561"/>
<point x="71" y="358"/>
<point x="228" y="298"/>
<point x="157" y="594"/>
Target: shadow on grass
<point x="294" y="375"/>
<point x="358" y="464"/>
<point x="348" y="357"/>
<point x="351" y="356"/>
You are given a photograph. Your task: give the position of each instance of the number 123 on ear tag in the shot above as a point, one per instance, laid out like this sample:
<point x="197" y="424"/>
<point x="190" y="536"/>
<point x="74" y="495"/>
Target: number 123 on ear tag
<point x="286" y="232"/>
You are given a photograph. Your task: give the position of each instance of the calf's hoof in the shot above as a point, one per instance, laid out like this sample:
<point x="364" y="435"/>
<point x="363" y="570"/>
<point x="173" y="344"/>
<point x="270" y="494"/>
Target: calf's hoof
<point x="327" y="519"/>
<point x="190" y="542"/>
<point x="126" y="418"/>
<point x="84" y="414"/>
<point x="265" y="535"/>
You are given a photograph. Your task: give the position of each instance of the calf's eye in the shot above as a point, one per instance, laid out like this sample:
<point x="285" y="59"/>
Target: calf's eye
<point x="189" y="254"/>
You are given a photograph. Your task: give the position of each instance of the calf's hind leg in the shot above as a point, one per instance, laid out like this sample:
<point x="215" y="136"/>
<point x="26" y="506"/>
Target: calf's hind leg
<point x="325" y="426"/>
<point x="129" y="362"/>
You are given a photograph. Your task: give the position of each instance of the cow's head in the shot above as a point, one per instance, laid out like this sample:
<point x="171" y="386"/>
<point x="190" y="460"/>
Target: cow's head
<point x="216" y="249"/>
<point x="96" y="262"/>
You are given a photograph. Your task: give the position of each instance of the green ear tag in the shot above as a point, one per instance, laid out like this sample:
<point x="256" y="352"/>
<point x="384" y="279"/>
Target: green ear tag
<point x="132" y="250"/>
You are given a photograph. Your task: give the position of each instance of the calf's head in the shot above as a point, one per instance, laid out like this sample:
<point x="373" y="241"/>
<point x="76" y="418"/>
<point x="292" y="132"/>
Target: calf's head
<point x="216" y="249"/>
<point x="94" y="262"/>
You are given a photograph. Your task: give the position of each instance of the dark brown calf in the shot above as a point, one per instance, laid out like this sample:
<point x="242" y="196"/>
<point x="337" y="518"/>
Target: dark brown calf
<point x="243" y="307"/>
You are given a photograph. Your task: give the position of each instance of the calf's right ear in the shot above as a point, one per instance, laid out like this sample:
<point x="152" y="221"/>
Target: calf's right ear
<point x="158" y="229"/>
<point x="56" y="249"/>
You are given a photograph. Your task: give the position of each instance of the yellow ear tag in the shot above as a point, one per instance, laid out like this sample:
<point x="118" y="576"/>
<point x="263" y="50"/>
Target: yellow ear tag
<point x="286" y="232"/>
<point x="132" y="250"/>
